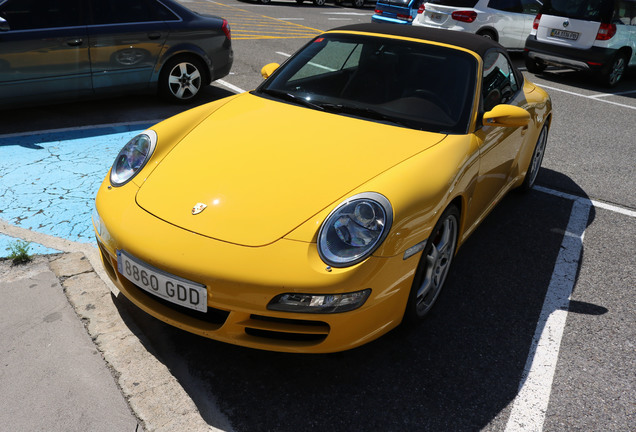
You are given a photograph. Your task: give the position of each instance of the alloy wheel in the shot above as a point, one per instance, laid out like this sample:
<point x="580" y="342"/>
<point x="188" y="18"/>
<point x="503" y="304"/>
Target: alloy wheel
<point x="184" y="81"/>
<point x="438" y="258"/>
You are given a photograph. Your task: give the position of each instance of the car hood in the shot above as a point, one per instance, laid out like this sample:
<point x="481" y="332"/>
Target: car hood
<point x="264" y="167"/>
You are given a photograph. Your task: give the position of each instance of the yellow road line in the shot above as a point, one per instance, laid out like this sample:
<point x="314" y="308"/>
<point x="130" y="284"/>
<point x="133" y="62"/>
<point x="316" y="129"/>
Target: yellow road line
<point x="247" y="25"/>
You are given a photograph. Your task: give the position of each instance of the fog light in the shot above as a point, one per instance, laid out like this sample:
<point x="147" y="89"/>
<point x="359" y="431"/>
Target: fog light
<point x="319" y="303"/>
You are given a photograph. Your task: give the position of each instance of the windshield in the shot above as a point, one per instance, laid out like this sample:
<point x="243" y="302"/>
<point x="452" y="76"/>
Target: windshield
<point x="408" y="84"/>
<point x="588" y="10"/>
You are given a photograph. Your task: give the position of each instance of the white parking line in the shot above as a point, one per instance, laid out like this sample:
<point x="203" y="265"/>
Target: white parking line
<point x="596" y="98"/>
<point x="530" y="406"/>
<point x="347" y="13"/>
<point x="611" y="207"/>
<point x="230" y="86"/>
<point x="613" y="94"/>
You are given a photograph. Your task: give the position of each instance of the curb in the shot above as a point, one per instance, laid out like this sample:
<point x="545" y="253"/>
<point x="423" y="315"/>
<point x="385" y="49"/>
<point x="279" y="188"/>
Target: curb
<point x="154" y="395"/>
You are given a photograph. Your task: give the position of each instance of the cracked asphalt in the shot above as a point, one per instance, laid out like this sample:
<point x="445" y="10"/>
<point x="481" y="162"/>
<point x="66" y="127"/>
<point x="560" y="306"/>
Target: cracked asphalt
<point x="50" y="180"/>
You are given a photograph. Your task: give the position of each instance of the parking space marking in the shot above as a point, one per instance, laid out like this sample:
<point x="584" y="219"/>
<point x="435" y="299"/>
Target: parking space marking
<point x="611" y="207"/>
<point x="348" y="13"/>
<point x="614" y="94"/>
<point x="247" y="25"/>
<point x="596" y="98"/>
<point x="530" y="406"/>
<point x="230" y="86"/>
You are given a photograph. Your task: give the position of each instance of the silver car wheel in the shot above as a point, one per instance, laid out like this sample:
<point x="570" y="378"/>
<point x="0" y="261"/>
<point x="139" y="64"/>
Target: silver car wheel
<point x="537" y="157"/>
<point x="184" y="80"/>
<point x="434" y="265"/>
<point x="617" y="69"/>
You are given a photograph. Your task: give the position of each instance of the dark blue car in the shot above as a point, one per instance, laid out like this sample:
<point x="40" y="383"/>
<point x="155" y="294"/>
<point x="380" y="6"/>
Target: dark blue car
<point x="68" y="49"/>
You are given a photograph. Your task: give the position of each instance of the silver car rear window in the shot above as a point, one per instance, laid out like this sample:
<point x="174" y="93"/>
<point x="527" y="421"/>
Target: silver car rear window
<point x="588" y="10"/>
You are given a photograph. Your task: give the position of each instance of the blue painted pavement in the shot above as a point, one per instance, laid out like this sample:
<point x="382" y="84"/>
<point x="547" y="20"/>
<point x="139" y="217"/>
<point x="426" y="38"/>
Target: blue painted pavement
<point x="48" y="181"/>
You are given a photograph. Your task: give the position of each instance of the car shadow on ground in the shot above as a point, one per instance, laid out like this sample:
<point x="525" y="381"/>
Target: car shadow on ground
<point x="124" y="109"/>
<point x="457" y="370"/>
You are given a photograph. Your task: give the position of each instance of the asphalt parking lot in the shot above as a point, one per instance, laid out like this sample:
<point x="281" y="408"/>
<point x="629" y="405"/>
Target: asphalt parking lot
<point x="536" y="329"/>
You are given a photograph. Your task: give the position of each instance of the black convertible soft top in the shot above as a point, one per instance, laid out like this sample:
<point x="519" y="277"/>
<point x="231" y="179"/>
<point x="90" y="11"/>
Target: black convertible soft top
<point x="469" y="41"/>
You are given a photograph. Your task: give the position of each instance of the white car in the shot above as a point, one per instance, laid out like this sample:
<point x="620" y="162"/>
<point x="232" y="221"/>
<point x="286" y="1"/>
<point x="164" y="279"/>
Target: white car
<point x="506" y="21"/>
<point x="589" y="35"/>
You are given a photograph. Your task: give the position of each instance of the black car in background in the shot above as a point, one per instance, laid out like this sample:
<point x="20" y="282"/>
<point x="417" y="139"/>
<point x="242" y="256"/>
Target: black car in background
<point x="67" y="49"/>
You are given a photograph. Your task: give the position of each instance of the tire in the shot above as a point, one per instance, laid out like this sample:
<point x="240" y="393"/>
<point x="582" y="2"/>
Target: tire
<point x="319" y="2"/>
<point x="182" y="79"/>
<point x="488" y="34"/>
<point x="615" y="71"/>
<point x="537" y="159"/>
<point x="357" y="3"/>
<point x="534" y="67"/>
<point x="434" y="266"/>
<point x="264" y="1"/>
<point x="299" y="2"/>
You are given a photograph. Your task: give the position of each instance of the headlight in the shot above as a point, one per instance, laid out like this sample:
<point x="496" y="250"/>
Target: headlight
<point x="355" y="229"/>
<point x="132" y="158"/>
<point x="319" y="303"/>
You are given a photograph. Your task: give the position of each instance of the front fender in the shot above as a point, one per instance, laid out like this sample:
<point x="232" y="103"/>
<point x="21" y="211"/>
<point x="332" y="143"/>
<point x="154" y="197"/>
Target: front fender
<point x="419" y="189"/>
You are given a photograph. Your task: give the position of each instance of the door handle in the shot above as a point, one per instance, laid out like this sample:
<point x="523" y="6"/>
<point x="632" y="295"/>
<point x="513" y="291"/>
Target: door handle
<point x="74" y="42"/>
<point x="154" y="36"/>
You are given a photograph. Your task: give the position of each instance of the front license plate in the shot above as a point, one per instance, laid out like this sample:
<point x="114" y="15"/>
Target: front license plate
<point x="169" y="287"/>
<point x="563" y="34"/>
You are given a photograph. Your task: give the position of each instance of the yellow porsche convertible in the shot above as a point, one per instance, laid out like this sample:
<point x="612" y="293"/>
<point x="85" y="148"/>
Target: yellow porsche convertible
<point x="321" y="210"/>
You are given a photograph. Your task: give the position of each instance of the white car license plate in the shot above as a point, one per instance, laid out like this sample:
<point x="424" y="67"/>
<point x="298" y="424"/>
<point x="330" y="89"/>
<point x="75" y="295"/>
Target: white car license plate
<point x="169" y="287"/>
<point x="436" y="16"/>
<point x="563" y="34"/>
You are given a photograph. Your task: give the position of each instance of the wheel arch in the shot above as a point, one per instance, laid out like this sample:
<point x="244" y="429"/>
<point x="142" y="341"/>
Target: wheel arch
<point x="627" y="52"/>
<point x="488" y="29"/>
<point x="460" y="203"/>
<point x="185" y="52"/>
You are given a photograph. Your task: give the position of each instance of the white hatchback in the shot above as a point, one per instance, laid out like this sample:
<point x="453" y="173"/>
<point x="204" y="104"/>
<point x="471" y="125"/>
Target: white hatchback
<point x="590" y="35"/>
<point x="506" y="21"/>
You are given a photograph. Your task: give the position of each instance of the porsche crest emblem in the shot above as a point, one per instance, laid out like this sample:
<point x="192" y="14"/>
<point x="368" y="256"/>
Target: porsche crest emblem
<point x="198" y="208"/>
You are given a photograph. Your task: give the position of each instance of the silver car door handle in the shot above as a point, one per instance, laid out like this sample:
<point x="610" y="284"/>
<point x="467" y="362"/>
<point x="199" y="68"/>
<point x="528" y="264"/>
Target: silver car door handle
<point x="74" y="42"/>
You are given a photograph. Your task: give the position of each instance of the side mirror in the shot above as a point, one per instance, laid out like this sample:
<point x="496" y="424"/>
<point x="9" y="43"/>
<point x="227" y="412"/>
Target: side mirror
<point x="506" y="116"/>
<point x="269" y="69"/>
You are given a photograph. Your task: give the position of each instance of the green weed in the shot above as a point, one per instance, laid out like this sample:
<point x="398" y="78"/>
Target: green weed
<point x="19" y="252"/>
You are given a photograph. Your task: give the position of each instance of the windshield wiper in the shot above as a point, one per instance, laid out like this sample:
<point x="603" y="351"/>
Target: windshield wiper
<point x="368" y="113"/>
<point x="292" y="98"/>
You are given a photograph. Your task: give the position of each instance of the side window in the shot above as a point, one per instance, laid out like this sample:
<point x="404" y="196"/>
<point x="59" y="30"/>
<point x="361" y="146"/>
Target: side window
<point x="623" y="13"/>
<point x="162" y="12"/>
<point x="506" y="5"/>
<point x="531" y="7"/>
<point x="38" y="14"/>
<point x="122" y="11"/>
<point x="499" y="81"/>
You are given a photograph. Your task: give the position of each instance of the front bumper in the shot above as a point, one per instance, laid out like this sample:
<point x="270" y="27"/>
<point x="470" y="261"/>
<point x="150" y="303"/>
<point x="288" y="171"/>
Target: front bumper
<point x="241" y="281"/>
<point x="592" y="59"/>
